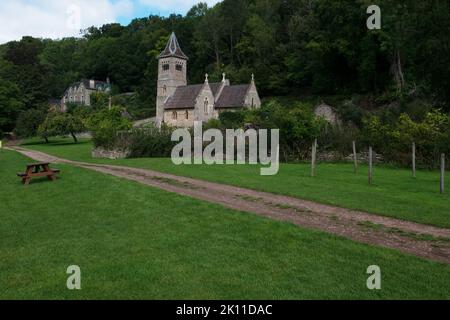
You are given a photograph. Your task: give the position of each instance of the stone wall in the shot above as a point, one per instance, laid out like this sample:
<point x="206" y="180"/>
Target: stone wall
<point x="101" y="153"/>
<point x="327" y="112"/>
<point x="181" y="119"/>
<point x="333" y="156"/>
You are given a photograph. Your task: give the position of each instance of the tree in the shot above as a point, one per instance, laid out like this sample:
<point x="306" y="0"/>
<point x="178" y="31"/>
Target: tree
<point x="58" y="123"/>
<point x="26" y="72"/>
<point x="10" y="105"/>
<point x="28" y="123"/>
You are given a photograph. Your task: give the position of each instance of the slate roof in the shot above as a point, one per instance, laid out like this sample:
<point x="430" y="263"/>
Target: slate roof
<point x="98" y="85"/>
<point x="173" y="49"/>
<point x="232" y="96"/>
<point x="184" y="97"/>
<point x="215" y="86"/>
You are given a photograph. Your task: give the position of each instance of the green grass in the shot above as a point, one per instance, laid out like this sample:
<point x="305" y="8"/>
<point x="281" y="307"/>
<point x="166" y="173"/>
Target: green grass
<point x="394" y="193"/>
<point x="133" y="241"/>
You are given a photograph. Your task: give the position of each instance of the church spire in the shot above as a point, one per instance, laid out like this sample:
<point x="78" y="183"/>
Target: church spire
<point x="173" y="49"/>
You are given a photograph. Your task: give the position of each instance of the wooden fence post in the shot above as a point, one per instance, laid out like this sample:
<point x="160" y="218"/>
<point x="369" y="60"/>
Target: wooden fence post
<point x="355" y="157"/>
<point x="442" y="173"/>
<point x="414" y="159"/>
<point x="313" y="158"/>
<point x="370" y="165"/>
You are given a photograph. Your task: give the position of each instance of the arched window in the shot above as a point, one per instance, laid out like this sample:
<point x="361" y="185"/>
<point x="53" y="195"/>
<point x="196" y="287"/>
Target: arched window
<point x="179" y="67"/>
<point x="205" y="106"/>
<point x="174" y="115"/>
<point x="253" y="102"/>
<point x="187" y="114"/>
<point x="166" y="67"/>
<point x="164" y="89"/>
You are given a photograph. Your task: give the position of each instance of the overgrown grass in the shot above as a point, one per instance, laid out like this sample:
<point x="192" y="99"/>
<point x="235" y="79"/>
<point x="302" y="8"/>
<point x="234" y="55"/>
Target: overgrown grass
<point x="394" y="193"/>
<point x="133" y="241"/>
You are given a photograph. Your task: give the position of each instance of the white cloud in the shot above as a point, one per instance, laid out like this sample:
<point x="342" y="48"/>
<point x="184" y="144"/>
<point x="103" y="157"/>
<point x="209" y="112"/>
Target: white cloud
<point x="57" y="18"/>
<point x="178" y="6"/>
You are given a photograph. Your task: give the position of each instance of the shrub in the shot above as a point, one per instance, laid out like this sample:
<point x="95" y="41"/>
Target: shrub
<point x="105" y="125"/>
<point x="339" y="138"/>
<point x="150" y="142"/>
<point x="232" y="120"/>
<point x="394" y="140"/>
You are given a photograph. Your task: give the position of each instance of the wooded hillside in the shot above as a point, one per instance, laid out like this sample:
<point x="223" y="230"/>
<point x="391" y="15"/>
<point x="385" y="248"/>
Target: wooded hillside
<point x="294" y="47"/>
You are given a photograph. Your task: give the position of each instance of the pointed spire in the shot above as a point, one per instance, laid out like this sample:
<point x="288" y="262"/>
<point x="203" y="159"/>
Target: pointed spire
<point x="253" y="77"/>
<point x="206" y="78"/>
<point x="224" y="77"/>
<point x="173" y="49"/>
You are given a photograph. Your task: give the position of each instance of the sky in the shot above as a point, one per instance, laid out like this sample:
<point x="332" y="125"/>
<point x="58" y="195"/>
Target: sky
<point x="64" y="18"/>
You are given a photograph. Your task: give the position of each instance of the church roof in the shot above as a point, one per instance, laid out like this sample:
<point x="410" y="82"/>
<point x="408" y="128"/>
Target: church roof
<point x="215" y="87"/>
<point x="184" y="97"/>
<point x="173" y="49"/>
<point x="233" y="96"/>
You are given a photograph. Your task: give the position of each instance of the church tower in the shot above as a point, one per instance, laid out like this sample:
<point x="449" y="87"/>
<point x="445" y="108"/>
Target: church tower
<point x="172" y="71"/>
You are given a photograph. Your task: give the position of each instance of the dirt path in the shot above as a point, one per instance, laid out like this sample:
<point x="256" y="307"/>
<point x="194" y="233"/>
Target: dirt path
<point x="417" y="239"/>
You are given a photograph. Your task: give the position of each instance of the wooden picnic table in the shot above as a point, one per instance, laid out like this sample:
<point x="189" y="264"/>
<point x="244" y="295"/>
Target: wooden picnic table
<point x="35" y="170"/>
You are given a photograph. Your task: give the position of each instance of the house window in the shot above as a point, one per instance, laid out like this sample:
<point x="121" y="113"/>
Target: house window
<point x="187" y="114"/>
<point x="166" y="67"/>
<point x="179" y="67"/>
<point x="205" y="106"/>
<point x="253" y="102"/>
<point x="174" y="115"/>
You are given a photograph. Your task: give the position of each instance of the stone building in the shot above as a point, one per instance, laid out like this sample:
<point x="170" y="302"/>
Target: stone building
<point x="80" y="92"/>
<point x="328" y="113"/>
<point x="179" y="104"/>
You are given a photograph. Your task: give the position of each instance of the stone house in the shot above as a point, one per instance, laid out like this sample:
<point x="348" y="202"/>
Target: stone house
<point x="179" y="104"/>
<point x="80" y="92"/>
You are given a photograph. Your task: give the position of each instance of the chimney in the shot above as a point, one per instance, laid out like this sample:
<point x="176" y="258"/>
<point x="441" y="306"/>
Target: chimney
<point x="92" y="84"/>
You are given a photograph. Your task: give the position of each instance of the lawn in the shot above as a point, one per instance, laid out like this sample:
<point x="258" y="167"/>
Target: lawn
<point x="394" y="193"/>
<point x="133" y="241"/>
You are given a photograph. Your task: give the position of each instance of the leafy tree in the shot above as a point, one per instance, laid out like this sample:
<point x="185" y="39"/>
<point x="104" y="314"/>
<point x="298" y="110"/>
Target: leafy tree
<point x="58" y="123"/>
<point x="28" y="123"/>
<point x="10" y="104"/>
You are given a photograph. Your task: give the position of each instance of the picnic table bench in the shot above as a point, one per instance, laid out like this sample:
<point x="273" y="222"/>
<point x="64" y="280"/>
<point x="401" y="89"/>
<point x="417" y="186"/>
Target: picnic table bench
<point x="35" y="170"/>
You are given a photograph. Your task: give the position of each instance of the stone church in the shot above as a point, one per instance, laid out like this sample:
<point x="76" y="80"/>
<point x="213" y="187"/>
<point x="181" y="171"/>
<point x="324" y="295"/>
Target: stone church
<point x="179" y="104"/>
